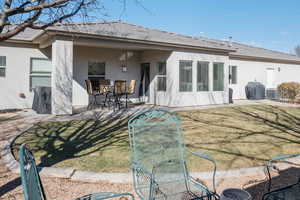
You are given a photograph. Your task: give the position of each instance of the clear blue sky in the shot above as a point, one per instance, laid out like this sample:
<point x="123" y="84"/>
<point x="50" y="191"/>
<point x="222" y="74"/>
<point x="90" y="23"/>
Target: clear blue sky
<point x="272" y="24"/>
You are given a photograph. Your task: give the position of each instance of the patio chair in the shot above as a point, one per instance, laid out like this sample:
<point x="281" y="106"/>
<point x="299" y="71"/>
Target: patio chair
<point x="119" y="91"/>
<point x="159" y="159"/>
<point x="289" y="192"/>
<point x="130" y="90"/>
<point x="105" y="89"/>
<point x="92" y="93"/>
<point x="32" y="185"/>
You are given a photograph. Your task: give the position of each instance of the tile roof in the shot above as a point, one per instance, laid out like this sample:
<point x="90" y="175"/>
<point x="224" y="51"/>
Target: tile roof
<point x="257" y="52"/>
<point x="129" y="31"/>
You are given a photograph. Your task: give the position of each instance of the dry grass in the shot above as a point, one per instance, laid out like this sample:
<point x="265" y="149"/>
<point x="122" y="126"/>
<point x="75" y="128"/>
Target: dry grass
<point x="244" y="136"/>
<point x="236" y="137"/>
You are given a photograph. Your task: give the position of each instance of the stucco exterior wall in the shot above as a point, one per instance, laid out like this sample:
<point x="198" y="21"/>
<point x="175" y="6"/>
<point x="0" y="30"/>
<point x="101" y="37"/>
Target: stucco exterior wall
<point x="16" y="80"/>
<point x="249" y="71"/>
<point x="18" y="70"/>
<point x="173" y="98"/>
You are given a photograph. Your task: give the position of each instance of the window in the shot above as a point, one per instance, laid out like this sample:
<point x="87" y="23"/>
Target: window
<point x="2" y="66"/>
<point x="218" y="73"/>
<point x="40" y="72"/>
<point x="161" y="76"/>
<point x="186" y="76"/>
<point x="202" y="76"/>
<point x="96" y="72"/>
<point x="232" y="74"/>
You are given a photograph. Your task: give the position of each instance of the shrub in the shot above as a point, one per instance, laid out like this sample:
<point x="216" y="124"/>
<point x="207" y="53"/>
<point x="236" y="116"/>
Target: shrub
<point x="289" y="90"/>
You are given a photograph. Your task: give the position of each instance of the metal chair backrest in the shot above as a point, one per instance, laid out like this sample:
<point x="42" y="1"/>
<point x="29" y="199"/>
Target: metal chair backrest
<point x="104" y="86"/>
<point x="89" y="87"/>
<point x="31" y="182"/>
<point x="158" y="154"/>
<point x="120" y="87"/>
<point x="131" y="87"/>
<point x="289" y="192"/>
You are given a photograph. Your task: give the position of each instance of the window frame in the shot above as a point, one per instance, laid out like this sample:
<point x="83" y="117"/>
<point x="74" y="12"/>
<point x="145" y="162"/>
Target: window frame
<point x="38" y="73"/>
<point x="3" y="67"/>
<point x="164" y="76"/>
<point x="192" y="82"/>
<point x="208" y="77"/>
<point x="231" y="75"/>
<point x="213" y="88"/>
<point x="97" y="76"/>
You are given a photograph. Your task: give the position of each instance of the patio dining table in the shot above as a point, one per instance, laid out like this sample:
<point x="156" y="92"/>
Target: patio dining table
<point x="116" y="93"/>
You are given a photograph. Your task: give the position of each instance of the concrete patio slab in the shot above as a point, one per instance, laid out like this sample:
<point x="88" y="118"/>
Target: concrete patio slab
<point x="86" y="176"/>
<point x="56" y="172"/>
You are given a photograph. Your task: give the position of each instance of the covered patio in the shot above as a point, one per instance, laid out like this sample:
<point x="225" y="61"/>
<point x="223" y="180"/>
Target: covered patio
<point x="74" y="62"/>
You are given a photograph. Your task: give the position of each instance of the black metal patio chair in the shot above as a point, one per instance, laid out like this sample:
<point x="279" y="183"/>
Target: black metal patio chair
<point x="92" y="93"/>
<point x="119" y="91"/>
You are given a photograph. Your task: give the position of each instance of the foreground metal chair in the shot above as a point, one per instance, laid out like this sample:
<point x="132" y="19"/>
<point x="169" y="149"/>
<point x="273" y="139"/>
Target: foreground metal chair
<point x="290" y="192"/>
<point x="159" y="159"/>
<point x="32" y="185"/>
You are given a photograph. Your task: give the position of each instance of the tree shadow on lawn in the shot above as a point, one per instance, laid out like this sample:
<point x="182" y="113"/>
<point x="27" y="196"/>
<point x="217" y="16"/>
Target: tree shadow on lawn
<point x="60" y="141"/>
<point x="251" y="134"/>
<point x="239" y="136"/>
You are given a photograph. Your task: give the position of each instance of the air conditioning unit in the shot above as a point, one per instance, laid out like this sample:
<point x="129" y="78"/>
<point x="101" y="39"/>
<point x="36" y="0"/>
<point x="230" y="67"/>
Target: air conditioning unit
<point x="272" y="94"/>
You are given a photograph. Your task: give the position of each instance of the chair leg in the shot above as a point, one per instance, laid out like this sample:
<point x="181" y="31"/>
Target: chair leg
<point x="95" y="100"/>
<point x="115" y="103"/>
<point x="90" y="104"/>
<point x="110" y="102"/>
<point x="126" y="100"/>
<point x="119" y="101"/>
<point x="104" y="103"/>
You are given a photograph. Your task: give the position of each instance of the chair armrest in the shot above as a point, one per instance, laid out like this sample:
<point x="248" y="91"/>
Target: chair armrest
<point x="209" y="158"/>
<point x="279" y="157"/>
<point x="271" y="165"/>
<point x="283" y="156"/>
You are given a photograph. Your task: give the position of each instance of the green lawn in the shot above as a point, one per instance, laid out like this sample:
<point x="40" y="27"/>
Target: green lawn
<point x="236" y="137"/>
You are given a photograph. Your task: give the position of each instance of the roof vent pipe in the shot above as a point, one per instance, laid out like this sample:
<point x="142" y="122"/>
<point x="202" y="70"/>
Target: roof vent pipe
<point x="230" y="41"/>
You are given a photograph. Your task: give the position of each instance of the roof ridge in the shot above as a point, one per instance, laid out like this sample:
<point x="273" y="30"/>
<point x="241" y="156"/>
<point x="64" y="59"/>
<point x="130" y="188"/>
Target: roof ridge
<point x="86" y="23"/>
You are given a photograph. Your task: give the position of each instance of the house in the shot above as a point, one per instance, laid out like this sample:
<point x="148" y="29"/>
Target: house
<point x="171" y="69"/>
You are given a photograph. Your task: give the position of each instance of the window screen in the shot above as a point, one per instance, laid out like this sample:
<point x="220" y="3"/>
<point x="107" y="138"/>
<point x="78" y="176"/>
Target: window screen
<point x="40" y="72"/>
<point x="2" y="66"/>
<point x="202" y="76"/>
<point x="185" y="76"/>
<point x="233" y="74"/>
<point x="218" y="75"/>
<point x="161" y="76"/>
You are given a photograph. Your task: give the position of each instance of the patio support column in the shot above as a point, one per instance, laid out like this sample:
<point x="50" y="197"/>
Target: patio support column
<point x="62" y="77"/>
